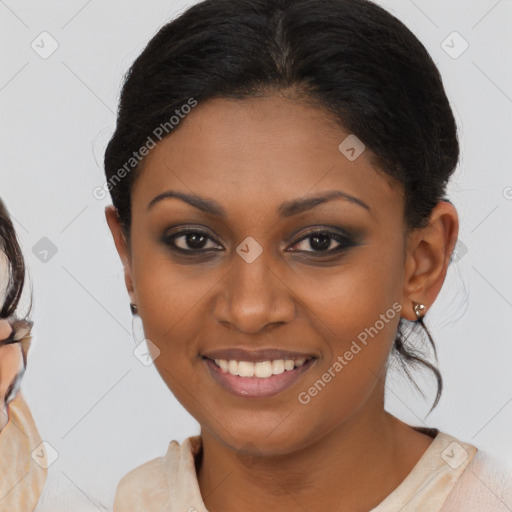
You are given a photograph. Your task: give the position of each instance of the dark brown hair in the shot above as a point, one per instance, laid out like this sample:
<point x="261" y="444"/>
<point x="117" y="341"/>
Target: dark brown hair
<point x="14" y="289"/>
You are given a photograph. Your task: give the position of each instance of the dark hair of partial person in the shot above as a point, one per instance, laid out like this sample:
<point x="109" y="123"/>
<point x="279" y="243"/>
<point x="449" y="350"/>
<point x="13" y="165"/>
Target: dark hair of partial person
<point x="11" y="247"/>
<point x="14" y="288"/>
<point x="351" y="58"/>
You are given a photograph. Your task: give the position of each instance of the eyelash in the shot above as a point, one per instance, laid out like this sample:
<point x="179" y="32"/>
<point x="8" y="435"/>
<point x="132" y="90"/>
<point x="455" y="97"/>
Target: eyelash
<point x="345" y="242"/>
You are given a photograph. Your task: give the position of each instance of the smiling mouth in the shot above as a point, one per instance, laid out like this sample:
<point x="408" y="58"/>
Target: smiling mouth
<point x="260" y="369"/>
<point x="258" y="379"/>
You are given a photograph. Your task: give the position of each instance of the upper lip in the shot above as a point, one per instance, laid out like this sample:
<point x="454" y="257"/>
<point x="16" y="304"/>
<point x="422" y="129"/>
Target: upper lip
<point x="255" y="355"/>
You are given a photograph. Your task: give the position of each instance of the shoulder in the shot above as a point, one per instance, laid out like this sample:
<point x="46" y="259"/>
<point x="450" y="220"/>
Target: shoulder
<point x="494" y="474"/>
<point x="23" y="464"/>
<point x="147" y="486"/>
<point x="144" y="485"/>
<point x="486" y="484"/>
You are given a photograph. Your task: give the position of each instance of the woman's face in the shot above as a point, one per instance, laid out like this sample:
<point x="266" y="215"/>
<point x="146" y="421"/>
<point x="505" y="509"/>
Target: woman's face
<point x="260" y="282"/>
<point x="11" y="366"/>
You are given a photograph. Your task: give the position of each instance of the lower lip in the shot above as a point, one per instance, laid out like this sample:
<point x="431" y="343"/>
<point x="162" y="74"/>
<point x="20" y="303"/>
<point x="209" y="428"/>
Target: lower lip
<point x="254" y="386"/>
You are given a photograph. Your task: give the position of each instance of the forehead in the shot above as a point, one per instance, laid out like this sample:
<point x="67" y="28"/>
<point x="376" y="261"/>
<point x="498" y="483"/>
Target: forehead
<point x="260" y="151"/>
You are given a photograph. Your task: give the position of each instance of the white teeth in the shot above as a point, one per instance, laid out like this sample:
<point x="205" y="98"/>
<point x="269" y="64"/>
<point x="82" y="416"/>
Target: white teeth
<point x="246" y="369"/>
<point x="233" y="367"/>
<point x="278" y="366"/>
<point x="262" y="369"/>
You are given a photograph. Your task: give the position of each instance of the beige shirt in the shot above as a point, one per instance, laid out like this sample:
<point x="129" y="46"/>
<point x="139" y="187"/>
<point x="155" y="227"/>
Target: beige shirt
<point x="451" y="476"/>
<point x="23" y="460"/>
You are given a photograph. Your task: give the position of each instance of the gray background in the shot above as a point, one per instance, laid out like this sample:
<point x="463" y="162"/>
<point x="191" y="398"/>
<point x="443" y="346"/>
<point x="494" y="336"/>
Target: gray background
<point x="101" y="409"/>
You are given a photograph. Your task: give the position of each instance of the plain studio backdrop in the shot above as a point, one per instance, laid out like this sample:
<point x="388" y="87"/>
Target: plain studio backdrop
<point x="100" y="409"/>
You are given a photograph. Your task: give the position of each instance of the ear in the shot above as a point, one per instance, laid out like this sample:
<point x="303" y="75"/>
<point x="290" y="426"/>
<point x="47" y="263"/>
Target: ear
<point x="122" y="248"/>
<point x="428" y="255"/>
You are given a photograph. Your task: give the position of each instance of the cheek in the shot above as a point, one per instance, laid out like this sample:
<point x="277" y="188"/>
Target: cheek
<point x="353" y="296"/>
<point x="171" y="303"/>
<point x="356" y="310"/>
<point x="11" y="363"/>
<point x="3" y="417"/>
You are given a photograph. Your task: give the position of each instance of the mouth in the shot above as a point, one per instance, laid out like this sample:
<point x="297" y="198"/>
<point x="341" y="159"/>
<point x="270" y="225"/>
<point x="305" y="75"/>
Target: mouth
<point x="257" y="374"/>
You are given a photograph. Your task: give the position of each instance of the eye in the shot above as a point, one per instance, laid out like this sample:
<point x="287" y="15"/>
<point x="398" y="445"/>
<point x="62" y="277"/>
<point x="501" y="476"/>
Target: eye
<point x="190" y="240"/>
<point x="322" y="241"/>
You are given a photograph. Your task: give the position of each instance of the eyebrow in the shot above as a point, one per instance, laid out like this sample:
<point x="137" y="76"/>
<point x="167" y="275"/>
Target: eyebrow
<point x="286" y="209"/>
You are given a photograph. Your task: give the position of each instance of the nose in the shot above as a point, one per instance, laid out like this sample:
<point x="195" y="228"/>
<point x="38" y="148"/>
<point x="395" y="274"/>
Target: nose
<point x="254" y="295"/>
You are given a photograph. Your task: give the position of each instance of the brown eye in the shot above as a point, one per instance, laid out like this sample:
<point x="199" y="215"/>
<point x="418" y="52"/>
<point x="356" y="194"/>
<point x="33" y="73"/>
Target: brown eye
<point x="322" y="242"/>
<point x="190" y="241"/>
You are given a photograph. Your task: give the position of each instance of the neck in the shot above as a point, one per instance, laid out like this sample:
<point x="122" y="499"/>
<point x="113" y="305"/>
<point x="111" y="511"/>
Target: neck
<point x="357" y="464"/>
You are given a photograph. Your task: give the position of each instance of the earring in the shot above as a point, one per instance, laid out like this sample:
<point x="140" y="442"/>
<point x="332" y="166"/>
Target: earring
<point x="419" y="310"/>
<point x="137" y="327"/>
